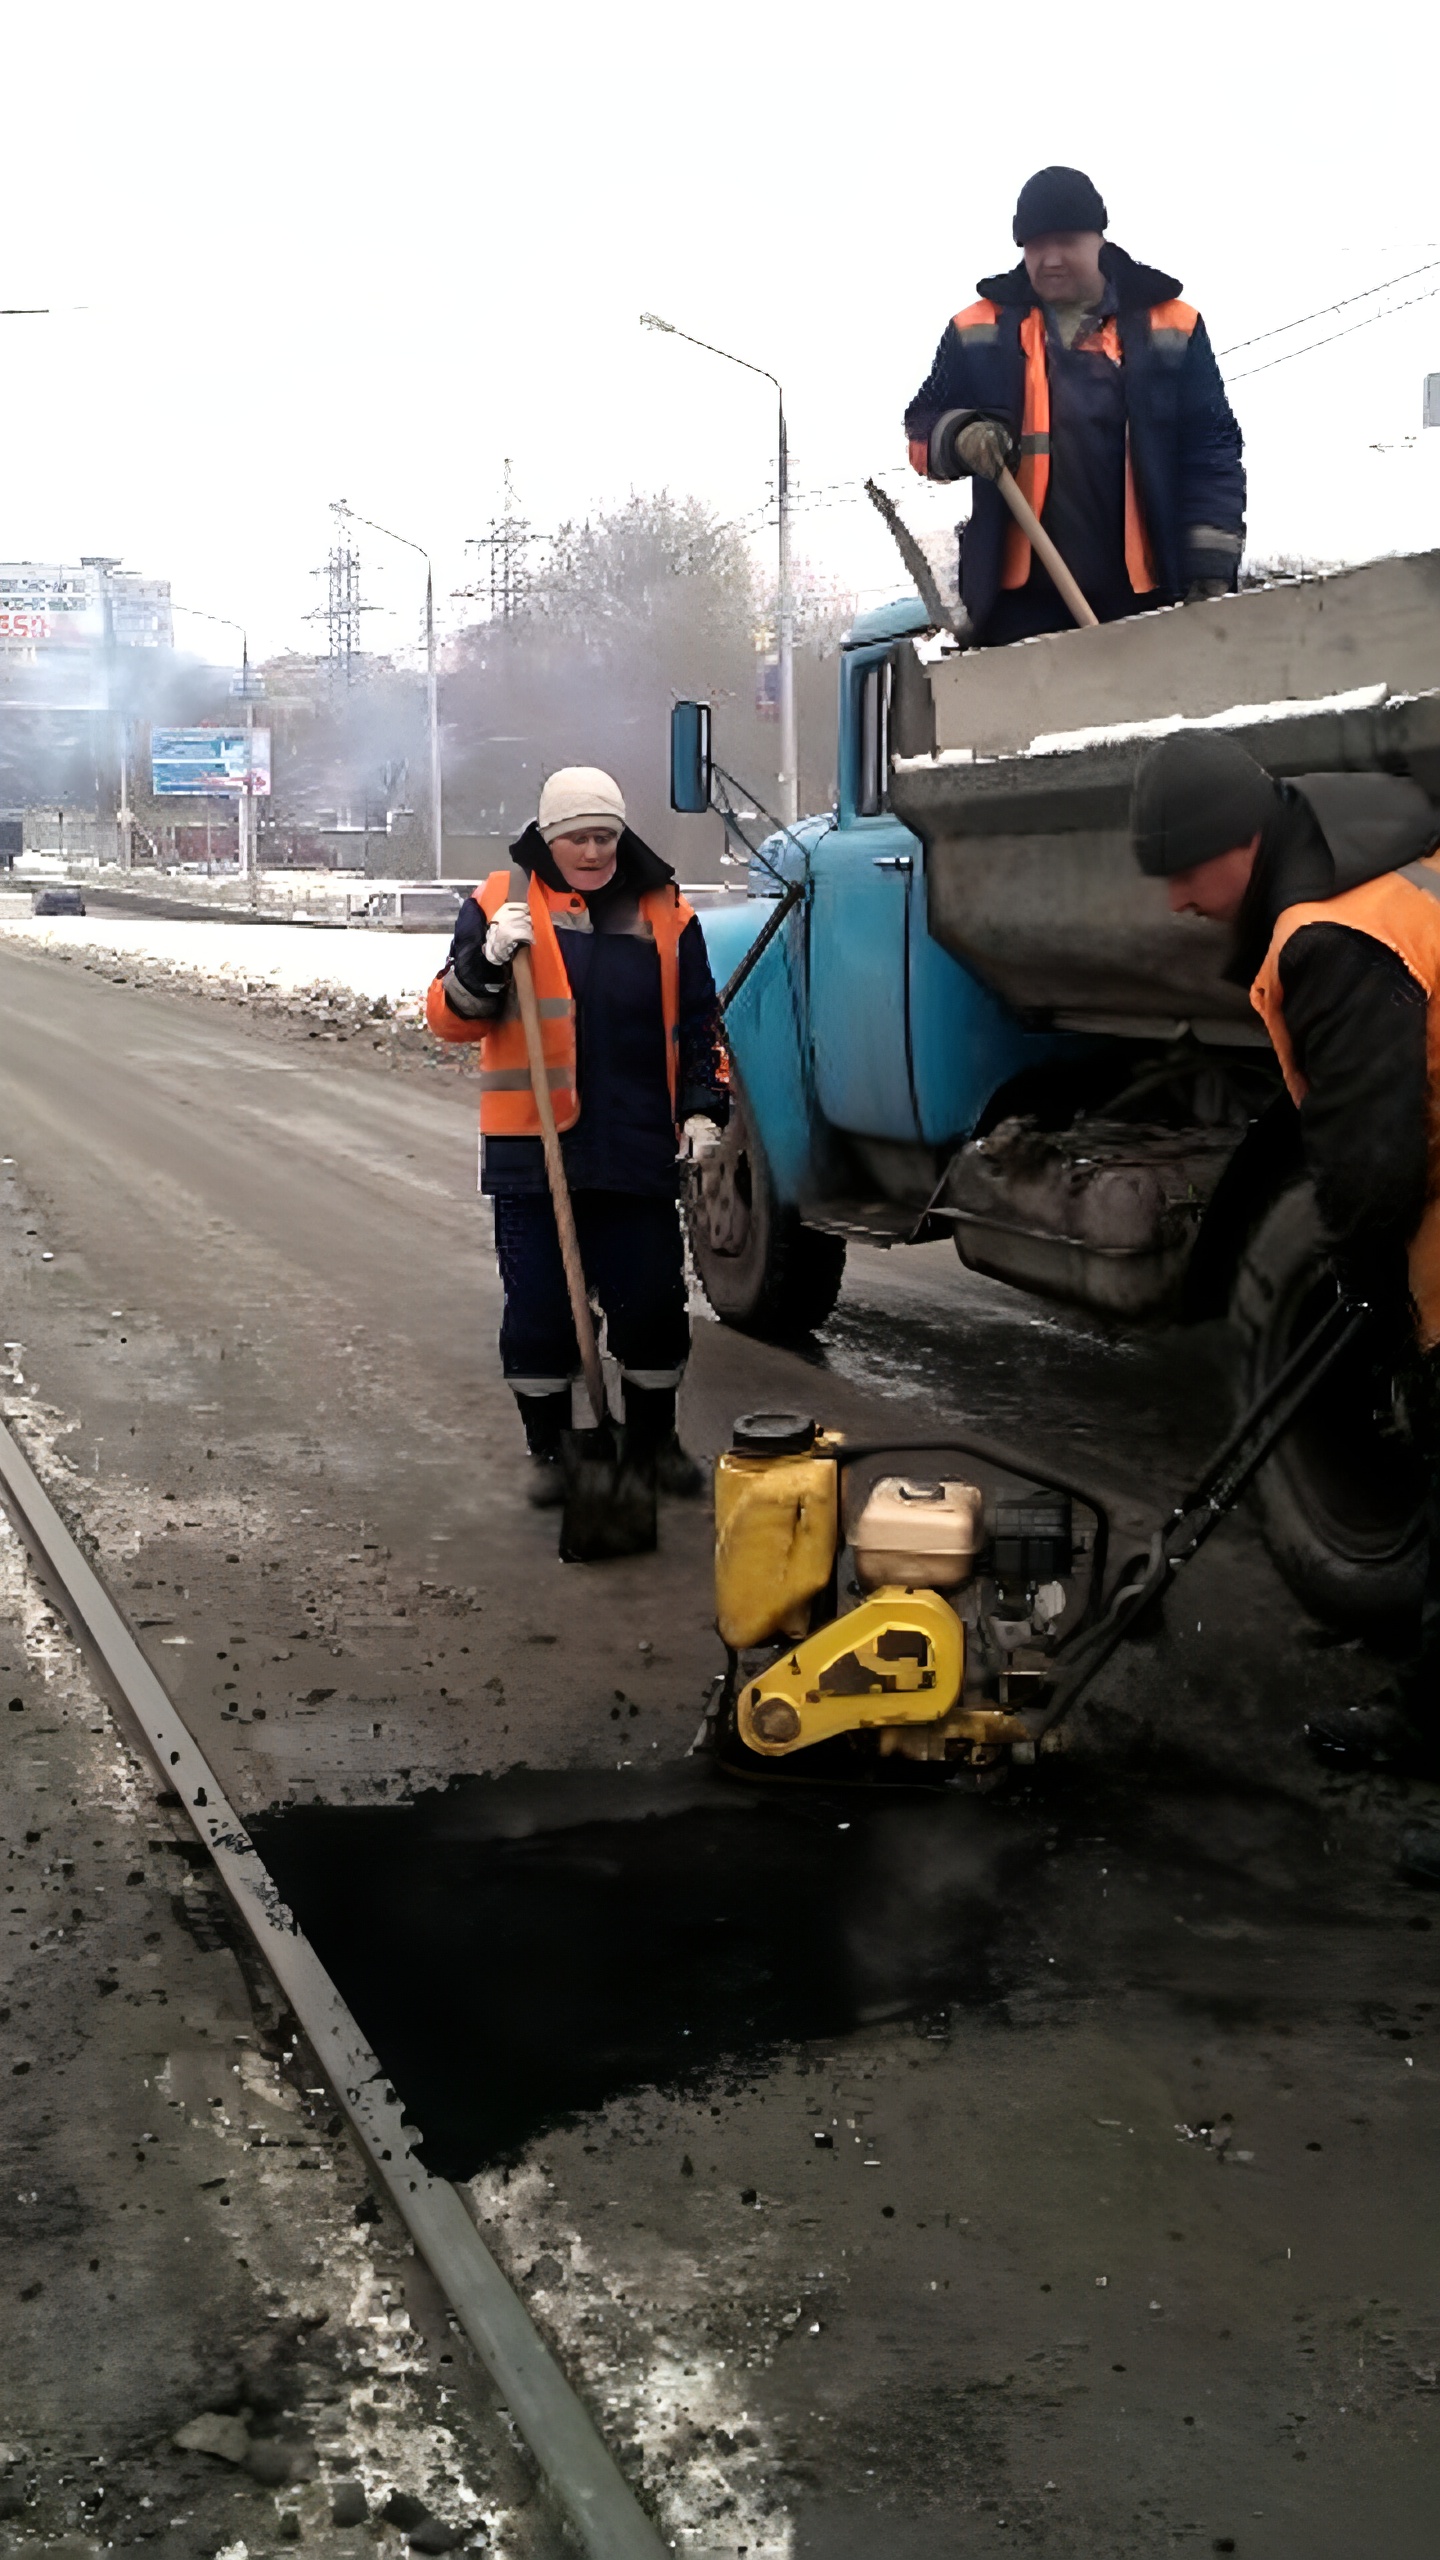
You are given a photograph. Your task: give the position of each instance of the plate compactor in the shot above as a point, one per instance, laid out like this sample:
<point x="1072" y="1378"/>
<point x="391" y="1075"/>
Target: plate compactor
<point x="905" y="1618"/>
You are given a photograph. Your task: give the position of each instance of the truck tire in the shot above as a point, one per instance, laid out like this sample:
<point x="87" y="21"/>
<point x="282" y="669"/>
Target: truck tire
<point x="1340" y="1504"/>
<point x="761" y="1268"/>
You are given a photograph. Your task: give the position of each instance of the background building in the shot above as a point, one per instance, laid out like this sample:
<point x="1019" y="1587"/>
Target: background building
<point x="73" y="642"/>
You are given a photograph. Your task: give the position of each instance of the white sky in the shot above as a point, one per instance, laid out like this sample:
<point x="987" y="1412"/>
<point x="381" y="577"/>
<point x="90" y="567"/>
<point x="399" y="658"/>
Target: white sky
<point x="367" y="252"/>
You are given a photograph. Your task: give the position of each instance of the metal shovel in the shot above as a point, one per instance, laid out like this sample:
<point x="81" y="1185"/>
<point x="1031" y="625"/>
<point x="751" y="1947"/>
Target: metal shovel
<point x="1034" y="532"/>
<point x="609" y="1492"/>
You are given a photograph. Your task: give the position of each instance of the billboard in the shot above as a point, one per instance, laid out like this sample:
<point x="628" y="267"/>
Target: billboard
<point x="44" y="607"/>
<point x="209" y="763"/>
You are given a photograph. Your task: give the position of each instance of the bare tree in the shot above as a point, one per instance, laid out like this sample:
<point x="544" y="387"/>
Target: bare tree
<point x="632" y="609"/>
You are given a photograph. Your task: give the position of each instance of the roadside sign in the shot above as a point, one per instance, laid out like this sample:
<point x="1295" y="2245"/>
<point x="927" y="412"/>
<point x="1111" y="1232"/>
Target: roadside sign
<point x="210" y="763"/>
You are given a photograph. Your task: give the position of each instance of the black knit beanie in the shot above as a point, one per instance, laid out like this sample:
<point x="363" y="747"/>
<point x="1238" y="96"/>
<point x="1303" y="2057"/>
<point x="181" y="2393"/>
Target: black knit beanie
<point x="1058" y="200"/>
<point x="1196" y="795"/>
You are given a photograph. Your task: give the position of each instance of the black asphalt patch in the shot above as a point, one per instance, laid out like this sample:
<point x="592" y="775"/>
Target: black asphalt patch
<point x="522" y="1950"/>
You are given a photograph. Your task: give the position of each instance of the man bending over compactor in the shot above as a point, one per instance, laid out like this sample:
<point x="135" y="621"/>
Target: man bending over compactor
<point x="1331" y="888"/>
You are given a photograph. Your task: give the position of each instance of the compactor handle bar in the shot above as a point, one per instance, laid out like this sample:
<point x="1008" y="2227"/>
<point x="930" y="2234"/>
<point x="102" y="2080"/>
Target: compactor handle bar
<point x="1238" y="1459"/>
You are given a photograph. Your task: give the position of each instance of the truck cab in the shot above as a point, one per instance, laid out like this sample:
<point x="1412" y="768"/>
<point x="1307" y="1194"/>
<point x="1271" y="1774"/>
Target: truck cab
<point x="863" y="1053"/>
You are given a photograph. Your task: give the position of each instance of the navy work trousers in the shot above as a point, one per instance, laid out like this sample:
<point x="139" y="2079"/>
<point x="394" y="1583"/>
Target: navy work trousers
<point x="634" y="1264"/>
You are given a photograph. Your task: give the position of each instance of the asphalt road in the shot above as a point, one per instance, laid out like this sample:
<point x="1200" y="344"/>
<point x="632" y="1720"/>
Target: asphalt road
<point x="1055" y="2165"/>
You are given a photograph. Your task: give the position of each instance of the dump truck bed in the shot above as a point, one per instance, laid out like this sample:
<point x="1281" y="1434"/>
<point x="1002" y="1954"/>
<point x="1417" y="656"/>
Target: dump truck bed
<point x="1022" y="804"/>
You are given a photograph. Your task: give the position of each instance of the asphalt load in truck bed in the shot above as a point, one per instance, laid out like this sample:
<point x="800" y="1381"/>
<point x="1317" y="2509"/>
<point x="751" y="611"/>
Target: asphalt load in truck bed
<point x="1056" y="2163"/>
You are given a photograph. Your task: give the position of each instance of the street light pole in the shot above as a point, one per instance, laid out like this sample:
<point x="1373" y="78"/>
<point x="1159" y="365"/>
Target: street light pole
<point x="432" y="686"/>
<point x="789" y="775"/>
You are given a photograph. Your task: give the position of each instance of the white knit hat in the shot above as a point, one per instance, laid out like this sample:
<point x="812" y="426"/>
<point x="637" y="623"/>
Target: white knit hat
<point x="579" y="795"/>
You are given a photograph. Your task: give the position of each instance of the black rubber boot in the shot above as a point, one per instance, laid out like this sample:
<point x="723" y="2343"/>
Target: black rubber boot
<point x="1381" y="1735"/>
<point x="650" y="1432"/>
<point x="544" y="1418"/>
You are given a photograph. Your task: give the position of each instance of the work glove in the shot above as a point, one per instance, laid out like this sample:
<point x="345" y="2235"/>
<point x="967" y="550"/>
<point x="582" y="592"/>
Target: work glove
<point x="985" y="447"/>
<point x="699" y="1139"/>
<point x="510" y="925"/>
<point x="964" y="443"/>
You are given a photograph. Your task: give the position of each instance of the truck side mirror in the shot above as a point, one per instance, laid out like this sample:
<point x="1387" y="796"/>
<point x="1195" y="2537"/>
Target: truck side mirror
<point x="690" y="758"/>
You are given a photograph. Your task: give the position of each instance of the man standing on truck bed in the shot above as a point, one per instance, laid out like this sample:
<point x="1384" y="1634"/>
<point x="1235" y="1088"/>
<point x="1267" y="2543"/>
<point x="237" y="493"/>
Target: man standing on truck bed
<point x="1331" y="886"/>
<point x="1084" y="373"/>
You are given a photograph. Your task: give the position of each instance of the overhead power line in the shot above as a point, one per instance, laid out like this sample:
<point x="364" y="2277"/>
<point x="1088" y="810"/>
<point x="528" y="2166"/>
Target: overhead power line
<point x="1327" y="308"/>
<point x="1348" y="331"/>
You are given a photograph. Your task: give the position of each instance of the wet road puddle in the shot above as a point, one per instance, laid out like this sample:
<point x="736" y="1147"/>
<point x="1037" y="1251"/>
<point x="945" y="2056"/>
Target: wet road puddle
<point x="522" y="1950"/>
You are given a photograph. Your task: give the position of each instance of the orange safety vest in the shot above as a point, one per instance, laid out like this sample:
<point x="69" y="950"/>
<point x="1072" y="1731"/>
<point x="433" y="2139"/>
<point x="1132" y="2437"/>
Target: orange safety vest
<point x="507" y="1100"/>
<point x="1402" y="910"/>
<point x="979" y="325"/>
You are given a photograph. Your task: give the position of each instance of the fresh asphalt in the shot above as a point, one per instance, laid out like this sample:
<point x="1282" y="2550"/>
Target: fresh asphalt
<point x="1054" y="2163"/>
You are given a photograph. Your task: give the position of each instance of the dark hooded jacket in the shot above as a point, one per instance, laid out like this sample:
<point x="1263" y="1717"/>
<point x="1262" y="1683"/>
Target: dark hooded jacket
<point x="1356" y="1017"/>
<point x="1185" y="444"/>
<point x="624" y="1139"/>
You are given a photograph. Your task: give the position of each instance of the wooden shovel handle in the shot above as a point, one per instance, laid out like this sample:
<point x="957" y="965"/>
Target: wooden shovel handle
<point x="559" y="1187"/>
<point x="1035" y="533"/>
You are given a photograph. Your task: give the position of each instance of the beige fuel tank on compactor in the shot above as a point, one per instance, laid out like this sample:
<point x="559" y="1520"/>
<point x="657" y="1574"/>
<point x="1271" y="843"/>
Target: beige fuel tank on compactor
<point x="924" y="1536"/>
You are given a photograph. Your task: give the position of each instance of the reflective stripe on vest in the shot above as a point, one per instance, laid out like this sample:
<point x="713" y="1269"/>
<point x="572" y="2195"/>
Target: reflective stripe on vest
<point x="517" y="1079"/>
<point x="1171" y="325"/>
<point x="1402" y="910"/>
<point x="507" y="1101"/>
<point x="979" y="326"/>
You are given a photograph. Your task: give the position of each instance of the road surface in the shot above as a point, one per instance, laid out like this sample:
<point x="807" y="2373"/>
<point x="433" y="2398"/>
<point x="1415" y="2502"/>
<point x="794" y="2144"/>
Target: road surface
<point x="1057" y="2165"/>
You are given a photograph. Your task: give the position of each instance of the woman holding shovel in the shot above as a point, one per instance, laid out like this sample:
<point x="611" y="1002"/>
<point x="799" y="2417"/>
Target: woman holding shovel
<point x="589" y="935"/>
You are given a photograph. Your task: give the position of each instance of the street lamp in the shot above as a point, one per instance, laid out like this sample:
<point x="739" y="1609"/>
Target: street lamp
<point x="431" y="684"/>
<point x="789" y="778"/>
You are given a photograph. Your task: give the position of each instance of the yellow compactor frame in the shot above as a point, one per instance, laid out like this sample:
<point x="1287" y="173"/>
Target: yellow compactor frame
<point x="898" y="1659"/>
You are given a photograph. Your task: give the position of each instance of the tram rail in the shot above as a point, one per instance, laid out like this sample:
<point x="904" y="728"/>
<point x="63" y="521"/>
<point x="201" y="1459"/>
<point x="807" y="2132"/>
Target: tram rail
<point x="562" y="2436"/>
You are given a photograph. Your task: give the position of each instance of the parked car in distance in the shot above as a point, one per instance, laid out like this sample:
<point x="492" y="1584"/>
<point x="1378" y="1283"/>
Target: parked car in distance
<point x="400" y="906"/>
<point x="58" y="898"/>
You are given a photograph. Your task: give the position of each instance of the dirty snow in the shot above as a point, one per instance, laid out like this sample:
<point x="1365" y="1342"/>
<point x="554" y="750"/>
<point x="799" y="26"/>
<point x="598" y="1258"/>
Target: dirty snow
<point x="241" y="959"/>
<point x="1241" y="715"/>
<point x="394" y="2419"/>
<point x="1113" y="733"/>
<point x="650" y="2370"/>
<point x="932" y="764"/>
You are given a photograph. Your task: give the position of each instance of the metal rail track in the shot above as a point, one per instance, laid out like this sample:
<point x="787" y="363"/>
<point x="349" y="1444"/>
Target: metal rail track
<point x="558" y="2429"/>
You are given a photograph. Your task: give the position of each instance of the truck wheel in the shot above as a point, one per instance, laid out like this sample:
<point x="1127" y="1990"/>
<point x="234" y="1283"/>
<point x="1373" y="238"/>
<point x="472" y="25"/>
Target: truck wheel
<point x="1340" y="1504"/>
<point x="760" y="1267"/>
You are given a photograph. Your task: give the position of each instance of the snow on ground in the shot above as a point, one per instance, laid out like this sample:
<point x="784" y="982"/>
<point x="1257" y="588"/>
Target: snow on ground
<point x="249" y="958"/>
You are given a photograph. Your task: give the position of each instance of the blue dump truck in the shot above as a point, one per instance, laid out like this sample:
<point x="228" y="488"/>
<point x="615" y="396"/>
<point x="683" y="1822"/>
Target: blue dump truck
<point x="957" y="1010"/>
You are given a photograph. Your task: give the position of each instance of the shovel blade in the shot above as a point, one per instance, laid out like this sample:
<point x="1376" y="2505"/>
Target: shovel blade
<point x="609" y="1497"/>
